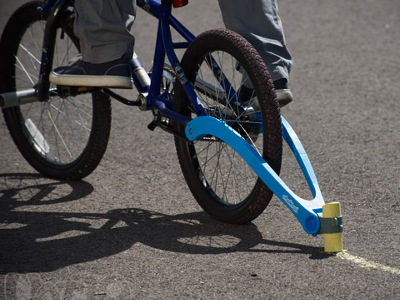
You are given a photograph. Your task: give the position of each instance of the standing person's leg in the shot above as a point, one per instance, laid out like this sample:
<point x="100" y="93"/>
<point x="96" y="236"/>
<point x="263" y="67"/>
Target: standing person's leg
<point x="102" y="27"/>
<point x="259" y="23"/>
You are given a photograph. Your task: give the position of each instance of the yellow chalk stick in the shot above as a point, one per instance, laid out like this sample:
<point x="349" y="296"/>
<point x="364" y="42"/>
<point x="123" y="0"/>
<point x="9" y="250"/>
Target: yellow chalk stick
<point x="332" y="241"/>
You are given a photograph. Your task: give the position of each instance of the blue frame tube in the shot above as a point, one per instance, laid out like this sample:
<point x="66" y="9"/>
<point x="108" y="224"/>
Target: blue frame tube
<point x="165" y="46"/>
<point x="223" y="81"/>
<point x="306" y="211"/>
<point x="169" y="48"/>
<point x="56" y="8"/>
<point x="152" y="7"/>
<point x="158" y="65"/>
<point x="186" y="34"/>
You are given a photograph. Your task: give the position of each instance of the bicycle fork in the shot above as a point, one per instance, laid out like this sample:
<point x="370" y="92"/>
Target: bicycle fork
<point x="314" y="215"/>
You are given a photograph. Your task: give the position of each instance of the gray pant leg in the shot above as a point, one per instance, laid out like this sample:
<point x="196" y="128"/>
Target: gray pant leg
<point x="103" y="29"/>
<point x="259" y="23"/>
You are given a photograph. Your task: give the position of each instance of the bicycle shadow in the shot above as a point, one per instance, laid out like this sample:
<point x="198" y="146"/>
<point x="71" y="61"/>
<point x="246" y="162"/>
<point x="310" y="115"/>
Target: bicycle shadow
<point x="46" y="241"/>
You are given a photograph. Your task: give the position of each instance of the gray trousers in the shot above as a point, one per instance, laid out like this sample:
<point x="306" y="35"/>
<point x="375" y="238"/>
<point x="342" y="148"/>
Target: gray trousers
<point x="259" y="23"/>
<point x="103" y="28"/>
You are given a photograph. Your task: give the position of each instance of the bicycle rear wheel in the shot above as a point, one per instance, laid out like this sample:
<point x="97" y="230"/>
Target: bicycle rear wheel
<point x="64" y="137"/>
<point x="221" y="181"/>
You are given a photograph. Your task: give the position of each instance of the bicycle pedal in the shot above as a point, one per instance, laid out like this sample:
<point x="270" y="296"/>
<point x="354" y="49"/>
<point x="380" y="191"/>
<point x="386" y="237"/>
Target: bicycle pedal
<point x="85" y="89"/>
<point x="152" y="125"/>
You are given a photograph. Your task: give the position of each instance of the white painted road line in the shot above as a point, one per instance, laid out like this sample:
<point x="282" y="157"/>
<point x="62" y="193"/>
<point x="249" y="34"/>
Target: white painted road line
<point x="367" y="264"/>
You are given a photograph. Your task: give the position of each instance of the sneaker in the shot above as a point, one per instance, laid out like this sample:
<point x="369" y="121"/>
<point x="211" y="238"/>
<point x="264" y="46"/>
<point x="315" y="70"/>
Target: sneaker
<point x="114" y="74"/>
<point x="283" y="93"/>
<point x="284" y="96"/>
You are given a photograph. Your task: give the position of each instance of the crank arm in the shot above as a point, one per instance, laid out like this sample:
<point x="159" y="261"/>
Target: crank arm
<point x="12" y="99"/>
<point x="17" y="98"/>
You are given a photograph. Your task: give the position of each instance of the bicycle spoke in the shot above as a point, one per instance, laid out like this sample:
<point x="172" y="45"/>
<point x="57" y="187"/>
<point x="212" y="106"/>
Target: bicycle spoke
<point x="226" y="172"/>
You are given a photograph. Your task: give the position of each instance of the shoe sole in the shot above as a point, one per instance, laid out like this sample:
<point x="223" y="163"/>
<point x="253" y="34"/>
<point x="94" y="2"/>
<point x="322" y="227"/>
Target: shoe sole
<point x="284" y="97"/>
<point x="92" y="80"/>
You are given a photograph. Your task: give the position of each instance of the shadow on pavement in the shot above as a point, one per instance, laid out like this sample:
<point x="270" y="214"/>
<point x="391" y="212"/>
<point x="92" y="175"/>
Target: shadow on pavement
<point x="43" y="241"/>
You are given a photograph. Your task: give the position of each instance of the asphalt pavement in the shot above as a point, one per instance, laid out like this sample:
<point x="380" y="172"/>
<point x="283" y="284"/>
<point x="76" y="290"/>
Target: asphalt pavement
<point x="132" y="230"/>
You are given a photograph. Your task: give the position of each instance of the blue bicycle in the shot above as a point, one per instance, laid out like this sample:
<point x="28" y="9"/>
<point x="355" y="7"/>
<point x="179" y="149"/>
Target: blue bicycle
<point x="229" y="143"/>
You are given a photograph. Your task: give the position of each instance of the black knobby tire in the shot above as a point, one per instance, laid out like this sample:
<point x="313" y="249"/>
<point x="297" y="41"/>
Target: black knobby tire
<point x="63" y="138"/>
<point x="222" y="182"/>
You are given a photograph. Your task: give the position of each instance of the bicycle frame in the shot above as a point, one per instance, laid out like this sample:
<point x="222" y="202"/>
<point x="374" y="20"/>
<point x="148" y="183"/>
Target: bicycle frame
<point x="308" y="212"/>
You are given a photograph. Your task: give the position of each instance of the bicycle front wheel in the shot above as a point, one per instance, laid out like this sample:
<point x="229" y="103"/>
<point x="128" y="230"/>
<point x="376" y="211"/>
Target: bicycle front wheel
<point x="64" y="137"/>
<point x="219" y="63"/>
